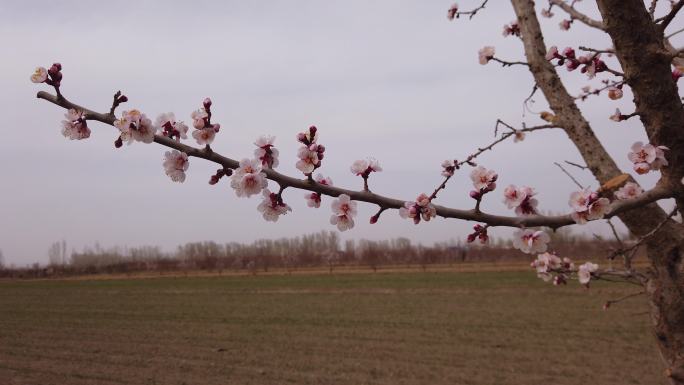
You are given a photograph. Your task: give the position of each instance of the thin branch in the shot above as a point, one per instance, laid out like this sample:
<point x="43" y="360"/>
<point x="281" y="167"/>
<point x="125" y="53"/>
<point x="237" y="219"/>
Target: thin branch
<point x="481" y="150"/>
<point x="665" y="21"/>
<point x="641" y="240"/>
<point x="575" y="14"/>
<point x="628" y="296"/>
<point x="652" y="8"/>
<point x="505" y="63"/>
<point x="473" y="12"/>
<point x="576" y="165"/>
<point x="284" y="181"/>
<point x="674" y="33"/>
<point x="588" y="49"/>
<point x="569" y="175"/>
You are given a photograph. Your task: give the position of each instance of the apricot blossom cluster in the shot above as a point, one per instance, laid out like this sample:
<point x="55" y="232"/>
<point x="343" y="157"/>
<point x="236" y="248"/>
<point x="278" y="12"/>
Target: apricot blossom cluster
<point x="550" y="267"/>
<point x="521" y="199"/>
<point x="479" y="232"/>
<point x="134" y="126"/>
<point x="587" y="205"/>
<point x="420" y="208"/>
<point x="311" y="153"/>
<point x="591" y="64"/>
<point x="205" y="131"/>
<point x="272" y="206"/>
<point x="52" y="76"/>
<point x="647" y="157"/>
<point x="171" y="128"/>
<point x="484" y="182"/>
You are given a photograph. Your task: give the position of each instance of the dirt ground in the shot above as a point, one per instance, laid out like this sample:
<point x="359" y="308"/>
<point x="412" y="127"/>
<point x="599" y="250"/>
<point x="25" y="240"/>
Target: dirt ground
<point x="440" y="327"/>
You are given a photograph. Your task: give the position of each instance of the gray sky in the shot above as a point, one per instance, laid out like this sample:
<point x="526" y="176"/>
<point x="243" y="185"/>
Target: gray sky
<point x="390" y="79"/>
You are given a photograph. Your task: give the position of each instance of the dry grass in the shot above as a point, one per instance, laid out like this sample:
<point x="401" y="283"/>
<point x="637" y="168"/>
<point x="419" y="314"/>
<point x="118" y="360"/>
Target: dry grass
<point x="401" y="328"/>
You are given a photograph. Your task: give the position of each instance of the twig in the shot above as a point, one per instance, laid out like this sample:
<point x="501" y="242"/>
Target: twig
<point x="606" y="51"/>
<point x="674" y="33"/>
<point x="628" y="296"/>
<point x="575" y="14"/>
<point x="569" y="175"/>
<point x="652" y="8"/>
<point x="473" y="12"/>
<point x="641" y="240"/>
<point x="505" y="63"/>
<point x="576" y="165"/>
<point x="665" y="21"/>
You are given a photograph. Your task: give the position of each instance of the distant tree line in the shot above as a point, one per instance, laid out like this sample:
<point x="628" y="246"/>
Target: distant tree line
<point x="322" y="249"/>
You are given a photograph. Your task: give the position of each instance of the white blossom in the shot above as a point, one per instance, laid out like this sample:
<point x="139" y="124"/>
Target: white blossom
<point x="530" y="241"/>
<point x="584" y="272"/>
<point x="175" y="165"/>
<point x="39" y="75"/>
<point x="247" y="179"/>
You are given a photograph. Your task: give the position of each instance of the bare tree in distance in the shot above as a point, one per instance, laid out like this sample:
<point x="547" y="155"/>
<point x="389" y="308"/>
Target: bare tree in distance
<point x="641" y="59"/>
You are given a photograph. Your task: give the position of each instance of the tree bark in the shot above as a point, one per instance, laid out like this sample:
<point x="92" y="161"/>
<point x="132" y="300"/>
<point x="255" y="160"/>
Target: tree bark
<point x="646" y="64"/>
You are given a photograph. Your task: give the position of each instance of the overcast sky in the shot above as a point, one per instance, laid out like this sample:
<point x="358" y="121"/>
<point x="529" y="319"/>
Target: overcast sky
<point x="390" y="79"/>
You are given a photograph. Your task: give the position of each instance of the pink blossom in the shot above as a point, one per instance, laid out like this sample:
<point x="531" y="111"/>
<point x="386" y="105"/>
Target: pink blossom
<point x="421" y="208"/>
<point x="617" y="116"/>
<point x="629" y="191"/>
<point x="272" y="206"/>
<point x="135" y="126"/>
<point x="511" y="29"/>
<point x="480" y="232"/>
<point x="483" y="179"/>
<point x="308" y="160"/>
<point x="204" y="136"/>
<point x="170" y="127"/>
<point x="199" y="118"/>
<point x="39" y="75"/>
<point x="565" y="24"/>
<point x="584" y="272"/>
<point x="587" y="206"/>
<point x="248" y="179"/>
<point x="521" y="199"/>
<point x="344" y="211"/>
<point x="530" y="241"/>
<point x="452" y="11"/>
<point x="552" y="53"/>
<point x="175" y="165"/>
<point x="363" y="168"/>
<point x="647" y="157"/>
<point x="75" y="126"/>
<point x="546" y="13"/>
<point x="311" y="153"/>
<point x="486" y="54"/>
<point x="546" y="263"/>
<point x="265" y="152"/>
<point x="449" y="167"/>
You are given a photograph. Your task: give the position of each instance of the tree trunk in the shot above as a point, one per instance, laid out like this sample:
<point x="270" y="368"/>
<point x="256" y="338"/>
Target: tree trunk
<point x="646" y="64"/>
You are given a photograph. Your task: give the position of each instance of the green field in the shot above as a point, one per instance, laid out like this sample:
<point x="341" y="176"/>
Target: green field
<point x="401" y="328"/>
